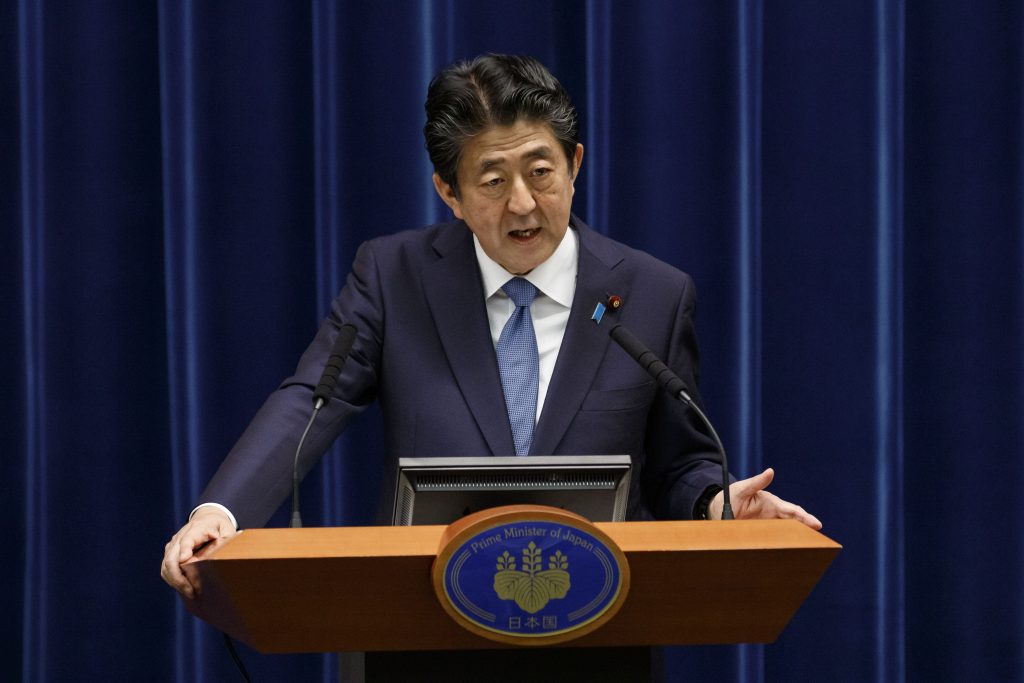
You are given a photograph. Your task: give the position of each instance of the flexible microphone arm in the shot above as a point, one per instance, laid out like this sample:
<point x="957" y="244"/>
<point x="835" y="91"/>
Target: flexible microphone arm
<point x="671" y="383"/>
<point x="332" y="370"/>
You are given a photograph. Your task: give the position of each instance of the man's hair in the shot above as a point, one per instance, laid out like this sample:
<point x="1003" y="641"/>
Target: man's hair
<point x="466" y="98"/>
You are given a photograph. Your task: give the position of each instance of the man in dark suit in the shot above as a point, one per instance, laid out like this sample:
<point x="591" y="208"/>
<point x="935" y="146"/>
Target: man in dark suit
<point x="438" y="309"/>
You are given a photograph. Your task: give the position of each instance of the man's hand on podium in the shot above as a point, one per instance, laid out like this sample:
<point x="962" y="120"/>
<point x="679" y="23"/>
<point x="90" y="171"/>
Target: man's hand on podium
<point x="207" y="524"/>
<point x="750" y="501"/>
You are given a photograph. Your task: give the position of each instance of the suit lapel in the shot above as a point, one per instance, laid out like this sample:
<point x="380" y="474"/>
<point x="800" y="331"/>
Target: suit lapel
<point x="584" y="343"/>
<point x="453" y="292"/>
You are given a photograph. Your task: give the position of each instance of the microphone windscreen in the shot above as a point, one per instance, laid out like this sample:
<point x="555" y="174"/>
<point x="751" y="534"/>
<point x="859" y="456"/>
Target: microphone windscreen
<point x="332" y="370"/>
<point x="629" y="343"/>
<point x="661" y="373"/>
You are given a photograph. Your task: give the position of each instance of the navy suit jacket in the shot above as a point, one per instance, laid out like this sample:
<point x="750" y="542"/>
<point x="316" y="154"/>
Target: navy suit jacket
<point x="424" y="350"/>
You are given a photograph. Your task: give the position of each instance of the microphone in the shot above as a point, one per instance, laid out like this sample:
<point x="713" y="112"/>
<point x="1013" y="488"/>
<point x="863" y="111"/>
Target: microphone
<point x="671" y="383"/>
<point x="339" y="354"/>
<point x="332" y="370"/>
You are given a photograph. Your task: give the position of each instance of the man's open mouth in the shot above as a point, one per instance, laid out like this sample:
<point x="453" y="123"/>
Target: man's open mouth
<point x="524" y="234"/>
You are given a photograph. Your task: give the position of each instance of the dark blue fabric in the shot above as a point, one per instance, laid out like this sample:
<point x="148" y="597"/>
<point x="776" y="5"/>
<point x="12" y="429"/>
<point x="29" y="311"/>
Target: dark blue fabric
<point x="184" y="184"/>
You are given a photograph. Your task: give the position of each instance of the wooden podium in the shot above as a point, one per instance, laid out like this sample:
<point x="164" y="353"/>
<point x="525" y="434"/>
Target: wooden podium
<point x="369" y="588"/>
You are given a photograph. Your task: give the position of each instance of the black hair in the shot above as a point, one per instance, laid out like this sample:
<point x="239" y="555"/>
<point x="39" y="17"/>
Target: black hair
<point x="493" y="90"/>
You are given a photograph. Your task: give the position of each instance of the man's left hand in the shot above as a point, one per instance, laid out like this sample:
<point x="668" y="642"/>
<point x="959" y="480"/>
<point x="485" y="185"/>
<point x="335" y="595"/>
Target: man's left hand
<point x="750" y="501"/>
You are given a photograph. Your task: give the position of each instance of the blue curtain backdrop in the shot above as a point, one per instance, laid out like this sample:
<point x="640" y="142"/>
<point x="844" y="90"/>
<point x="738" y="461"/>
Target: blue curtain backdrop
<point x="184" y="185"/>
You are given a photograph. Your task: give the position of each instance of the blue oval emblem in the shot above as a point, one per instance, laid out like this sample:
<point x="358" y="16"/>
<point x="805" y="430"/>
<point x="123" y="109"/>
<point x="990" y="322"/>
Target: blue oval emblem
<point x="538" y="577"/>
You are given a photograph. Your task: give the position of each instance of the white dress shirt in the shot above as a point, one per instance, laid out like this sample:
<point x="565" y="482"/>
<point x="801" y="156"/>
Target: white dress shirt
<point x="556" y="281"/>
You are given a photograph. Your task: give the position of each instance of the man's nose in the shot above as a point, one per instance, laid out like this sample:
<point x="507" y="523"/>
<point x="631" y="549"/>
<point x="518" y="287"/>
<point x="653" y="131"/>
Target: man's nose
<point x="521" y="201"/>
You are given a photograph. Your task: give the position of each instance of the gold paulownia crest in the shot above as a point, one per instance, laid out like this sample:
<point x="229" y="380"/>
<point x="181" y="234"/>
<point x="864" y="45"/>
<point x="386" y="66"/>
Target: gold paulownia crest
<point x="531" y="587"/>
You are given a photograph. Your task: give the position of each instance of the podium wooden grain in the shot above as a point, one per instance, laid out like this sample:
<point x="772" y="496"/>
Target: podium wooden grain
<point x="369" y="588"/>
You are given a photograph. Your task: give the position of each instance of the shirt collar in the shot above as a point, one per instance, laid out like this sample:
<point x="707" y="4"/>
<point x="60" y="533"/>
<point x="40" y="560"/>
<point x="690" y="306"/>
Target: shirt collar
<point x="555" y="277"/>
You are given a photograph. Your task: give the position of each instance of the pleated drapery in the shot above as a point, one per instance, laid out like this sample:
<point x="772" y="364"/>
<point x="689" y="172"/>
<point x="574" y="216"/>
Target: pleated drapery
<point x="185" y="185"/>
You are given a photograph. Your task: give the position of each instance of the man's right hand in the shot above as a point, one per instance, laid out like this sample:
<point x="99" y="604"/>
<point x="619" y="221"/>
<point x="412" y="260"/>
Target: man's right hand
<point x="207" y="524"/>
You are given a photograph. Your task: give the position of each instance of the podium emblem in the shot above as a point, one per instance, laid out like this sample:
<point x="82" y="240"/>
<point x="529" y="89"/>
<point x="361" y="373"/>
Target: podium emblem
<point x="529" y="575"/>
<point x="532" y="588"/>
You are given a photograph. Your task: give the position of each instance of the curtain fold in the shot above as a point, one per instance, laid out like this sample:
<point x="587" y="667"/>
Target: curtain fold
<point x="748" y="451"/>
<point x="34" y="515"/>
<point x="888" y="398"/>
<point x="178" y="156"/>
<point x="185" y="185"/>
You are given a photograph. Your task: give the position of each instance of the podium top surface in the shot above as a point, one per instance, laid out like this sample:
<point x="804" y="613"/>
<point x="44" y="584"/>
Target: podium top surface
<point x="422" y="541"/>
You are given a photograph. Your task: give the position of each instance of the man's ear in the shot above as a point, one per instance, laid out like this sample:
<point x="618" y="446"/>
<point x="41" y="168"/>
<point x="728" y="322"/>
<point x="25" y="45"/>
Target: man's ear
<point x="447" y="194"/>
<point x="577" y="161"/>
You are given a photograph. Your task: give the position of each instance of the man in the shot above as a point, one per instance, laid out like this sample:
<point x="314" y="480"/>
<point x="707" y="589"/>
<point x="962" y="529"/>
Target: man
<point x="438" y="310"/>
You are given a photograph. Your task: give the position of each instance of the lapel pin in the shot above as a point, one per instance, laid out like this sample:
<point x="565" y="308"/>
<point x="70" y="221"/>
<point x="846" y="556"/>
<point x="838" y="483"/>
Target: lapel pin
<point x="614" y="303"/>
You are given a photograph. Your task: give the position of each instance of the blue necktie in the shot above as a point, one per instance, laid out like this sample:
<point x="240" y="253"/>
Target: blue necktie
<point x="519" y="364"/>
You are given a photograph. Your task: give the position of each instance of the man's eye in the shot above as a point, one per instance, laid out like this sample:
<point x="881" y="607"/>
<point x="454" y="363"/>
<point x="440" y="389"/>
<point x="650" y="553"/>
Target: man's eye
<point x="493" y="182"/>
<point x="541" y="171"/>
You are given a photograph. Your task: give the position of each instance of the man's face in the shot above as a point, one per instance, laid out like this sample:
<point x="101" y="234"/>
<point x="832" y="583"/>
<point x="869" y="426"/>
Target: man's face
<point x="515" y="193"/>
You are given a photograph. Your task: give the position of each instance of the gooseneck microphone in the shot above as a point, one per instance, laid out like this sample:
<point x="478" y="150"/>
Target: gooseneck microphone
<point x="328" y="380"/>
<point x="671" y="383"/>
<point x="332" y="369"/>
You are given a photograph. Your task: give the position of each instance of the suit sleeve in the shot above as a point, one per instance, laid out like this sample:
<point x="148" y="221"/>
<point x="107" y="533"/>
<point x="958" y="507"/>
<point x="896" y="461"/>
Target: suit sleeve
<point x="256" y="476"/>
<point x="681" y="461"/>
